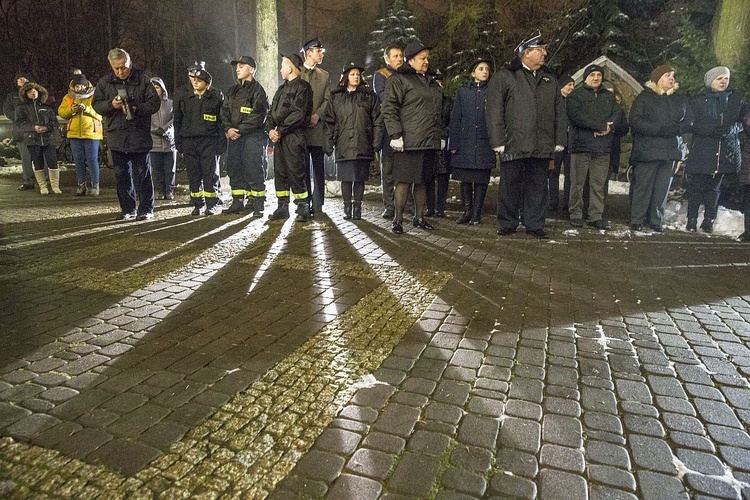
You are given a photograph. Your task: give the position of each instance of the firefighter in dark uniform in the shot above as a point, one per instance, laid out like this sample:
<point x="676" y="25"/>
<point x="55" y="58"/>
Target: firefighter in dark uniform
<point x="286" y="123"/>
<point x="243" y="115"/>
<point x="199" y="136"/>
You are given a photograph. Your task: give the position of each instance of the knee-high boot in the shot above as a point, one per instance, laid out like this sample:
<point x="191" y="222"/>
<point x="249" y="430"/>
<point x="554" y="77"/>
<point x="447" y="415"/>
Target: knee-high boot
<point x="467" y="197"/>
<point x="42" y="181"/>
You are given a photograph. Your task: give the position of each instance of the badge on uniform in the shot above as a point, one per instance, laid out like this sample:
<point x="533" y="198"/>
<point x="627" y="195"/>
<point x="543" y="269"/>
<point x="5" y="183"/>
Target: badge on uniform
<point x="209" y="118"/>
<point x="245" y="109"/>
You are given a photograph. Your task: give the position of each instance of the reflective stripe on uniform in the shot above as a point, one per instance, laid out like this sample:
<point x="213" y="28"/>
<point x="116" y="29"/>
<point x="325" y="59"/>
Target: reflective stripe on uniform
<point x="257" y="194"/>
<point x="282" y="194"/>
<point x="210" y="194"/>
<point x="238" y="192"/>
<point x="199" y="194"/>
<point x="300" y="196"/>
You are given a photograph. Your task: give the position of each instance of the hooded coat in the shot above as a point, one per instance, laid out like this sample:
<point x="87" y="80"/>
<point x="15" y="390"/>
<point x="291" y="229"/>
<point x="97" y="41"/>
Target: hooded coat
<point x="162" y="122"/>
<point x="413" y="109"/>
<point x="38" y="112"/>
<point x="353" y="123"/>
<point x="715" y="146"/>
<point x="657" y="121"/>
<point x="12" y="101"/>
<point x="123" y="135"/>
<point x="525" y="112"/>
<point x="86" y="124"/>
<point x="467" y="131"/>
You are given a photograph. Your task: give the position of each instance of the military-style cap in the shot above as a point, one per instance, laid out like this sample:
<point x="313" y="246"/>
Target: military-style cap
<point x="198" y="70"/>
<point x="348" y="67"/>
<point x="244" y="60"/>
<point x="414" y="48"/>
<point x="311" y="44"/>
<point x="534" y="40"/>
<point x="295" y="59"/>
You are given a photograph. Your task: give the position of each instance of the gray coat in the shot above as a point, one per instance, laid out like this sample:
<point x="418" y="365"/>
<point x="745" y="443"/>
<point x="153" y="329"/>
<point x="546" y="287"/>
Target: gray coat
<point x="162" y="123"/>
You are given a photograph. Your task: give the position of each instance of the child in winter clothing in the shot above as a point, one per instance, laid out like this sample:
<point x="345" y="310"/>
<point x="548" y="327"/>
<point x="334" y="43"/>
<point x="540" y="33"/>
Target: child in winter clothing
<point x="36" y="120"/>
<point x="84" y="131"/>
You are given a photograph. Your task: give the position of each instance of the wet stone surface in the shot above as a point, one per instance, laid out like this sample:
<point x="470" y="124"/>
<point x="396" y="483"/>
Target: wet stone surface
<point x="228" y="356"/>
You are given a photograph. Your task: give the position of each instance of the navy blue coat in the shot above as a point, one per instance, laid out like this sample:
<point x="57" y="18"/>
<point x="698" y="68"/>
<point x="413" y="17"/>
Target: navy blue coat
<point x="467" y="131"/>
<point x="715" y="146"/>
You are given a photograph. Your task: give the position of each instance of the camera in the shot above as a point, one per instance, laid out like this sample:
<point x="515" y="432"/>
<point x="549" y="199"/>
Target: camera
<point x="122" y="96"/>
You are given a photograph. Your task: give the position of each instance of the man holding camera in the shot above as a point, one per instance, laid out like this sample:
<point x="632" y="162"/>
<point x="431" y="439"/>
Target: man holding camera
<point x="127" y="99"/>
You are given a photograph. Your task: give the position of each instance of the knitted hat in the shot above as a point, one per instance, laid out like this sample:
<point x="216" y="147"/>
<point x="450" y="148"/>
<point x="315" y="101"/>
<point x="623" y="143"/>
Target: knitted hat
<point x="564" y="80"/>
<point x="479" y="61"/>
<point x="713" y="73"/>
<point x="591" y="68"/>
<point x="79" y="78"/>
<point x="660" y="71"/>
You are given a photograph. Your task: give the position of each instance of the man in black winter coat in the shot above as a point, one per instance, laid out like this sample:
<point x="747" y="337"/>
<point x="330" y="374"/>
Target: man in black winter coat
<point x="243" y="116"/>
<point x="127" y="99"/>
<point x="526" y="123"/>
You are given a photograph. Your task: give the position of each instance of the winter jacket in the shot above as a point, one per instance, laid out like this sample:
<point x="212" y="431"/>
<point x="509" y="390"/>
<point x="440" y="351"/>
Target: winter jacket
<point x="199" y="116"/>
<point x="467" y="134"/>
<point x="379" y="80"/>
<point x="657" y="121"/>
<point x="245" y="108"/>
<point x="320" y="81"/>
<point x="589" y="110"/>
<point x="413" y="109"/>
<point x="744" y="177"/>
<point x="525" y="112"/>
<point x="32" y="113"/>
<point x="162" y="122"/>
<point x="127" y="136"/>
<point x="353" y="123"/>
<point x="291" y="108"/>
<point x="86" y="124"/>
<point x="715" y="146"/>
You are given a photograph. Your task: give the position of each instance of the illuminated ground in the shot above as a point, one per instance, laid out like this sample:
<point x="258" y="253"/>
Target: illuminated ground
<point x="231" y="357"/>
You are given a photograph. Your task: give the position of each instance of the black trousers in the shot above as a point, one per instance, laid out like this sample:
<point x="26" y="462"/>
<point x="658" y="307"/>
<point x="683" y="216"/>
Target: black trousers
<point x="202" y="165"/>
<point x="704" y="190"/>
<point x="523" y="184"/>
<point x="316" y="185"/>
<point x="562" y="165"/>
<point x="290" y="165"/>
<point x="41" y="155"/>
<point x="245" y="166"/>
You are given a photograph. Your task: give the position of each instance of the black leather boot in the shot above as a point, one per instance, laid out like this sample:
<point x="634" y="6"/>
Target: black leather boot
<point x="259" y="204"/>
<point x="303" y="211"/>
<point x="480" y="190"/>
<point x="467" y="197"/>
<point x="282" y="212"/>
<point x="237" y="206"/>
<point x="347" y="210"/>
<point x="707" y="225"/>
<point x="357" y="210"/>
<point x="692" y="225"/>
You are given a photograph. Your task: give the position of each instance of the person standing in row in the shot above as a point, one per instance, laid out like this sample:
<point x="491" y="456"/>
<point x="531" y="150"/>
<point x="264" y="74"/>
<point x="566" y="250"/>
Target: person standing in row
<point x="593" y="115"/>
<point x="527" y="125"/>
<point x="561" y="160"/>
<point x="199" y="136"/>
<point x="472" y="158"/>
<point x="320" y="81"/>
<point x="243" y="116"/>
<point x="715" y="146"/>
<point x="356" y="131"/>
<point x="394" y="58"/>
<point x="127" y="99"/>
<point x="163" y="153"/>
<point x="287" y="120"/>
<point x="412" y="111"/>
<point x="658" y="118"/>
<point x="12" y="101"/>
<point x="36" y="120"/>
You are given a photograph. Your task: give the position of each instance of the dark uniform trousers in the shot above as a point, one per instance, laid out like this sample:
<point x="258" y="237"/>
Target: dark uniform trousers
<point x="133" y="177"/>
<point x="523" y="181"/>
<point x="202" y="165"/>
<point x="289" y="166"/>
<point x="704" y="189"/>
<point x="247" y="174"/>
<point x="318" y="181"/>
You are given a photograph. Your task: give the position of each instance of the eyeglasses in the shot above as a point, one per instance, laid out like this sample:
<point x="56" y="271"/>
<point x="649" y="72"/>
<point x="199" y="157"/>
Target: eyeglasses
<point x="540" y="48"/>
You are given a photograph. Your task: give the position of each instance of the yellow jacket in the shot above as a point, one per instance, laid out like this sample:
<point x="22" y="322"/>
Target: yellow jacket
<point x="84" y="125"/>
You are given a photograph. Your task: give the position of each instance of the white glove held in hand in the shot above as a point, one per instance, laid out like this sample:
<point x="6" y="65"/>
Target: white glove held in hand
<point x="559" y="149"/>
<point x="397" y="144"/>
<point x="442" y="144"/>
<point x="500" y="149"/>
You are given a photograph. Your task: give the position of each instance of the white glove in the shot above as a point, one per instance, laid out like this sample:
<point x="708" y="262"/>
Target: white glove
<point x="397" y="144"/>
<point x="500" y="149"/>
<point x="559" y="149"/>
<point x="442" y="144"/>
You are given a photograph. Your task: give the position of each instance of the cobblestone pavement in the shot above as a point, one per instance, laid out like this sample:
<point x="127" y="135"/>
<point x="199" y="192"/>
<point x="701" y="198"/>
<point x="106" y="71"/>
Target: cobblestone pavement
<point x="230" y="357"/>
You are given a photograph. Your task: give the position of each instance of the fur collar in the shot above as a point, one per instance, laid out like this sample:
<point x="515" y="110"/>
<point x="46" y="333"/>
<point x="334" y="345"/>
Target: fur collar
<point x="651" y="85"/>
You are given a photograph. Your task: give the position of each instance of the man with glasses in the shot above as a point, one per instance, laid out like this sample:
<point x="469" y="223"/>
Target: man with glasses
<point x="526" y="124"/>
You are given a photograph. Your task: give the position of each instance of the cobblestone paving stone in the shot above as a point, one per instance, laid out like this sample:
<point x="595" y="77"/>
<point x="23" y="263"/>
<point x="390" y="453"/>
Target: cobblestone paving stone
<point x="228" y="357"/>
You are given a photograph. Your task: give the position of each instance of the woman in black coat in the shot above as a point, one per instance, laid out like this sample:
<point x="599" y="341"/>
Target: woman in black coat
<point x="412" y="111"/>
<point x="472" y="158"/>
<point x="658" y="119"/>
<point x="36" y="120"/>
<point x="715" y="147"/>
<point x="354" y="128"/>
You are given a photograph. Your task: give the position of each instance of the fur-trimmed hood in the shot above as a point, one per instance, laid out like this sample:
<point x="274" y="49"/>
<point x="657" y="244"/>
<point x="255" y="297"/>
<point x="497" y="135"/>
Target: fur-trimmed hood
<point x="651" y="85"/>
<point x="43" y="94"/>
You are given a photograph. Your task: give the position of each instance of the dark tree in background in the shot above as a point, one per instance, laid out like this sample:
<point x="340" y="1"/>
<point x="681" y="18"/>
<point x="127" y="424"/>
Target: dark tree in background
<point x="397" y="25"/>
